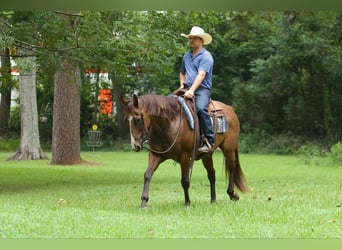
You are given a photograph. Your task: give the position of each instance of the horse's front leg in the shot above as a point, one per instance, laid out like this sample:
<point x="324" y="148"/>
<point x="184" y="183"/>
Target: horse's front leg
<point x="153" y="164"/>
<point x="185" y="181"/>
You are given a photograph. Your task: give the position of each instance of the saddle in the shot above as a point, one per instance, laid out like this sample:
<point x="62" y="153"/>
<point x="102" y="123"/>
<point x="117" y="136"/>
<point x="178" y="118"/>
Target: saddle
<point x="217" y="117"/>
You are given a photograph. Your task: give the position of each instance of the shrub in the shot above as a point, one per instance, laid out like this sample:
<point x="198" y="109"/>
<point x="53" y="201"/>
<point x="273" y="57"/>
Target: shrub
<point x="253" y="141"/>
<point x="258" y="141"/>
<point x="14" y="121"/>
<point x="10" y="144"/>
<point x="309" y="153"/>
<point x="283" y="144"/>
<point x="336" y="154"/>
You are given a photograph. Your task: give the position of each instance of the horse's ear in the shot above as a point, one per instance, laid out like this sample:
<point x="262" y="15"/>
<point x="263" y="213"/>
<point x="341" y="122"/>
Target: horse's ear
<point x="135" y="101"/>
<point x="124" y="100"/>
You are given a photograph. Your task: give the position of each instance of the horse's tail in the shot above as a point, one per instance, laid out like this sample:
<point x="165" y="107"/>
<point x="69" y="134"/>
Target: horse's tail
<point x="238" y="176"/>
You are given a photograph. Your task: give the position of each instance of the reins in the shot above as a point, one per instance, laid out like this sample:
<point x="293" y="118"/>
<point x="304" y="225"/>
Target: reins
<point x="196" y="139"/>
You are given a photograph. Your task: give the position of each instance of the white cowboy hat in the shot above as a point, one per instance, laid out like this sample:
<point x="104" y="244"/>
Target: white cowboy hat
<point x="198" y="31"/>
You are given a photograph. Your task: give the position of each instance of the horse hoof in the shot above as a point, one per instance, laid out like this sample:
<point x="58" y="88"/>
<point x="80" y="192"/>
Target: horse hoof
<point x="234" y="197"/>
<point x="144" y="208"/>
<point x="143" y="205"/>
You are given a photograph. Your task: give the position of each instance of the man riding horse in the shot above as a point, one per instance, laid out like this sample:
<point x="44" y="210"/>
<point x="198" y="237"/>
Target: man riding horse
<point x="196" y="76"/>
<point x="163" y="123"/>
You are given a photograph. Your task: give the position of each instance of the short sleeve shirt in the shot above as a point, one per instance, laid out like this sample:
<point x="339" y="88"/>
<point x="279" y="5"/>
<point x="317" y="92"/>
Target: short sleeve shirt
<point x="191" y="65"/>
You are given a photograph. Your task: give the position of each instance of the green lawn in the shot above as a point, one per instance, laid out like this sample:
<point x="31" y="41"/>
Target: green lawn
<point x="102" y="200"/>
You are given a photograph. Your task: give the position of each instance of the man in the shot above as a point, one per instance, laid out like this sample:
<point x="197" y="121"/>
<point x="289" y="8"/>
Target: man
<point x="196" y="76"/>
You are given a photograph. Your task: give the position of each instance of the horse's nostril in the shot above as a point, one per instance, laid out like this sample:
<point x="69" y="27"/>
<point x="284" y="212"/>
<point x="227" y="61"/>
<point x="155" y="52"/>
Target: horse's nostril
<point x="137" y="147"/>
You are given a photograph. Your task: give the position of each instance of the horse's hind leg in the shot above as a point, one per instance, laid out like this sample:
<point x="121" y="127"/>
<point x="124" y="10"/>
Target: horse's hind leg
<point x="231" y="169"/>
<point x="209" y="166"/>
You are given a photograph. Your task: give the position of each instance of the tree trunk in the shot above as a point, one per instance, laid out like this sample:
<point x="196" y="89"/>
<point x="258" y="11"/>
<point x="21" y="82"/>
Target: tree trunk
<point x="6" y="88"/>
<point x="29" y="140"/>
<point x="122" y="124"/>
<point x="66" y="114"/>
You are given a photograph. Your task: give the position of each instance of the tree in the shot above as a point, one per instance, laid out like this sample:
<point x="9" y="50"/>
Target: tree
<point x="23" y="51"/>
<point x="5" y="90"/>
<point x="280" y="70"/>
<point x="29" y="140"/>
<point x="6" y="81"/>
<point x="66" y="148"/>
<point x="292" y="86"/>
<point x="66" y="114"/>
<point x="138" y="49"/>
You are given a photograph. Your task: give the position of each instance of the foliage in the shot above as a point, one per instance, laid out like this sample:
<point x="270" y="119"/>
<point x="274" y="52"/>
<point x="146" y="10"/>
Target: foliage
<point x="291" y="87"/>
<point x="14" y="122"/>
<point x="253" y="141"/>
<point x="283" y="144"/>
<point x="9" y="144"/>
<point x="336" y="154"/>
<point x="279" y="69"/>
<point x="309" y="153"/>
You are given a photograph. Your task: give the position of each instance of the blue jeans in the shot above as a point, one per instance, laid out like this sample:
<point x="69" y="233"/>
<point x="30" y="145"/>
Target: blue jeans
<point x="202" y="98"/>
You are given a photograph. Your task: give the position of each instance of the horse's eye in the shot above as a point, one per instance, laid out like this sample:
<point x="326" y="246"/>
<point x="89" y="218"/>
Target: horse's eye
<point x="138" y="119"/>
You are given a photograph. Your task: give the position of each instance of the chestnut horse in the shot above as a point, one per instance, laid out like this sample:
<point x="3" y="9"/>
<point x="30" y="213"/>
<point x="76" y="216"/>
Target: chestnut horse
<point x="161" y="121"/>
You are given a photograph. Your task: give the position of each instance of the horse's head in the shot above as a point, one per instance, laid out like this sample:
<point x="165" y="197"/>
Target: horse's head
<point x="138" y="122"/>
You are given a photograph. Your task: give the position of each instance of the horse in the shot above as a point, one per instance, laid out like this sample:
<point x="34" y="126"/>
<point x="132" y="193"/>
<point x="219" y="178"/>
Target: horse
<point x="161" y="121"/>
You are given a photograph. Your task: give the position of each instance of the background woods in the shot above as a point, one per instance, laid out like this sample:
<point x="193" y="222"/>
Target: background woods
<point x="280" y="70"/>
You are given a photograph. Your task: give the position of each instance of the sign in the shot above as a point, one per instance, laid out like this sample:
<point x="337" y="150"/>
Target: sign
<point x="94" y="127"/>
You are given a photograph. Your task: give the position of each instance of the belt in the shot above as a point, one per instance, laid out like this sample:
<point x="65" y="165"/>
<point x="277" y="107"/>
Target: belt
<point x="187" y="86"/>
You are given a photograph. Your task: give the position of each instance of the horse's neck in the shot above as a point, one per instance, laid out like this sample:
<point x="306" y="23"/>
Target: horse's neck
<point x="160" y="124"/>
<point x="162" y="130"/>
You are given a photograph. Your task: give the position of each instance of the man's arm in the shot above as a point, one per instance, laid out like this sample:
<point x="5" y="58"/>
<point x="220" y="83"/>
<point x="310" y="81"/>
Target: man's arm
<point x="198" y="81"/>
<point x="181" y="79"/>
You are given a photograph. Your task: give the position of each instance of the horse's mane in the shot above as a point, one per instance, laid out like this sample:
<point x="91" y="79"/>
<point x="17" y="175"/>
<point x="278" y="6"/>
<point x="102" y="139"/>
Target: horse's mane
<point x="157" y="105"/>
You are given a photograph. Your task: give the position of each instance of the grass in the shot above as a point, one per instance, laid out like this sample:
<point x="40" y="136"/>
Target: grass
<point x="102" y="200"/>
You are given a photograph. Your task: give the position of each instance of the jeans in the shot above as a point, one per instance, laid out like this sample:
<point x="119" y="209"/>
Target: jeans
<point x="202" y="98"/>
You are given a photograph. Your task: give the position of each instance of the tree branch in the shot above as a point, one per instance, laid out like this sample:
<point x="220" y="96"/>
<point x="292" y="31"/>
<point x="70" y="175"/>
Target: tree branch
<point x="68" y="14"/>
<point x="17" y="56"/>
<point x="33" y="47"/>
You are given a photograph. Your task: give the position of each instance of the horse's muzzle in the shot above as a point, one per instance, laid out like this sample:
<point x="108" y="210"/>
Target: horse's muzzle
<point x="137" y="148"/>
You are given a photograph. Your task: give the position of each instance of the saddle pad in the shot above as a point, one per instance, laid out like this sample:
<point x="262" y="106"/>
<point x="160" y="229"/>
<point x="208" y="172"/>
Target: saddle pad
<point x="219" y="120"/>
<point x="221" y="124"/>
<point x="187" y="112"/>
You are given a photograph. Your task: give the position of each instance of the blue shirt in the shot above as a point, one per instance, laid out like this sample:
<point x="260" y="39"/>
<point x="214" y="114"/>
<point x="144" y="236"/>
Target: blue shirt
<point x="191" y="65"/>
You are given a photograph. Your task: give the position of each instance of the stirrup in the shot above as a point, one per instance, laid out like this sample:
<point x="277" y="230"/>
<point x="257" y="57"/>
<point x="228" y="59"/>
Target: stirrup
<point x="206" y="142"/>
<point x="206" y="147"/>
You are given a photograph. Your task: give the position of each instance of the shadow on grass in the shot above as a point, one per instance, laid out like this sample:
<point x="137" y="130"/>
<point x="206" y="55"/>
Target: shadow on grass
<point x="20" y="179"/>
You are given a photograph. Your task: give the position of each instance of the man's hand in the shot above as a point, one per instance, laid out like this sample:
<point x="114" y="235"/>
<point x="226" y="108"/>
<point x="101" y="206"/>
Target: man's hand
<point x="189" y="94"/>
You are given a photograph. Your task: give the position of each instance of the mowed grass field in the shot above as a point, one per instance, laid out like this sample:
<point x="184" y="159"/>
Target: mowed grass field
<point x="288" y="199"/>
